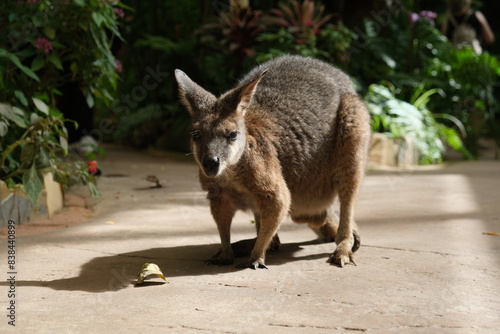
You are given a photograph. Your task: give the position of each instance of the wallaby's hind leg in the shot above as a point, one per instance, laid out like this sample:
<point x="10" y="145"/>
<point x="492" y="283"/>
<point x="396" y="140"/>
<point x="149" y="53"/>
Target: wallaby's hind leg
<point x="328" y="230"/>
<point x="351" y="146"/>
<point x="325" y="225"/>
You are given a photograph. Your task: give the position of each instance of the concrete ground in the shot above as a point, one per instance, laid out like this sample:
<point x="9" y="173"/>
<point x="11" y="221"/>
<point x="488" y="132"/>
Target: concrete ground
<point x="425" y="264"/>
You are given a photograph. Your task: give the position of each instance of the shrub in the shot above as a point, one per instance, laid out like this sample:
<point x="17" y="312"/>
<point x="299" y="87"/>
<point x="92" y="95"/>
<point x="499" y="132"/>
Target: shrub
<point x="44" y="45"/>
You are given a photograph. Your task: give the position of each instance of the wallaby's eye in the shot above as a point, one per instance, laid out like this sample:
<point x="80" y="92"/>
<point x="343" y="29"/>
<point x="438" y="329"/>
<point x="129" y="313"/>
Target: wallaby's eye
<point x="232" y="136"/>
<point x="195" y="134"/>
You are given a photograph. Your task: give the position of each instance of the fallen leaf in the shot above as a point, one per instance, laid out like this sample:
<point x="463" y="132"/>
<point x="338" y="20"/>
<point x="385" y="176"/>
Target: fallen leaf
<point x="148" y="270"/>
<point x="492" y="233"/>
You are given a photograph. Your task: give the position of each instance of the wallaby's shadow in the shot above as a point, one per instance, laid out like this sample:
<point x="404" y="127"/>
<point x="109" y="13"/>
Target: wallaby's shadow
<point x="116" y="272"/>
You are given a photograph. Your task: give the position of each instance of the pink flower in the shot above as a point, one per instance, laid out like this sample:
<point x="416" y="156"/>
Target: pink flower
<point x="119" y="12"/>
<point x="119" y="67"/>
<point x="43" y="44"/>
<point x="414" y="17"/>
<point x="428" y="15"/>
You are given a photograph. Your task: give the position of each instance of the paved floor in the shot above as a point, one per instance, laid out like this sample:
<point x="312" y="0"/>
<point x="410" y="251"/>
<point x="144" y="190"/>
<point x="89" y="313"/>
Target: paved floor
<point x="425" y="265"/>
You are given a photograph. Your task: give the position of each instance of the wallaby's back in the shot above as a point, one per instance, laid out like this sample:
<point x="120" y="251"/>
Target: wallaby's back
<point x="301" y="96"/>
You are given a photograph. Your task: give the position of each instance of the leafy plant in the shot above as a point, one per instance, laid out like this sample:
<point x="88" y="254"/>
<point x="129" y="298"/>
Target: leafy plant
<point x="38" y="150"/>
<point x="411" y="54"/>
<point x="331" y="44"/>
<point x="401" y="120"/>
<point x="43" y="45"/>
<point x="301" y="19"/>
<point x="236" y="31"/>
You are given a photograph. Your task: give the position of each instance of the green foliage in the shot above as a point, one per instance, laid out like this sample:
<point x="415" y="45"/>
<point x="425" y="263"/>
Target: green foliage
<point x="331" y="43"/>
<point x="160" y="36"/>
<point x="402" y="120"/>
<point x="45" y="44"/>
<point x="415" y="56"/>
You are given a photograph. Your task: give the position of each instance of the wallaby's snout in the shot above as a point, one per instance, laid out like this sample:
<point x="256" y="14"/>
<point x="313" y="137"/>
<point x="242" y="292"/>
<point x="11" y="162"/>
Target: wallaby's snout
<point x="211" y="165"/>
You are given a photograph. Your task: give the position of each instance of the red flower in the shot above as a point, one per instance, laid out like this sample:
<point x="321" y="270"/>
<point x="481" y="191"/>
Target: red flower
<point x="43" y="44"/>
<point x="119" y="67"/>
<point x="92" y="166"/>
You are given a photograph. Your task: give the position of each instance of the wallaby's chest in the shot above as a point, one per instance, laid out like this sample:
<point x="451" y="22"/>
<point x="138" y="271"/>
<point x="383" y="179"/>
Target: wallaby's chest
<point x="239" y="195"/>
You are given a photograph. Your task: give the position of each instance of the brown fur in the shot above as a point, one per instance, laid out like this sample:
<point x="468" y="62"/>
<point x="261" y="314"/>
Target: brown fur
<point x="285" y="143"/>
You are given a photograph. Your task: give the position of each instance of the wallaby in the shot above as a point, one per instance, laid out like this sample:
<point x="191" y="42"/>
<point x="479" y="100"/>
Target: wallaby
<point x="291" y="137"/>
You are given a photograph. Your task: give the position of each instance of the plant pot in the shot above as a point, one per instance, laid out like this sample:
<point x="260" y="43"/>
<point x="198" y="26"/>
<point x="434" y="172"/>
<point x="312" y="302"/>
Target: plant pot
<point x="15" y="205"/>
<point x="393" y="153"/>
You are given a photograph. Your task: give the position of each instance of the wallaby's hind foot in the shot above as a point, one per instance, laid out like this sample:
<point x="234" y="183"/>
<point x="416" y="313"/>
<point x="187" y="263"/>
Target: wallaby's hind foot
<point x="253" y="264"/>
<point x="341" y="257"/>
<point x="220" y="260"/>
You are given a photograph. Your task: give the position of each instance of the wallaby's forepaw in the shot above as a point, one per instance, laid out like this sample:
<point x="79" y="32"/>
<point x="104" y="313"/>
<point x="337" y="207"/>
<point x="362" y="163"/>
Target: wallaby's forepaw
<point x="252" y="264"/>
<point x="342" y="256"/>
<point x="220" y="260"/>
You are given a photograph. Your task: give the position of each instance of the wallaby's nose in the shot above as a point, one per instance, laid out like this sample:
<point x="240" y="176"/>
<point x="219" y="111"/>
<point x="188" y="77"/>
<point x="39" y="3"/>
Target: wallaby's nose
<point x="211" y="165"/>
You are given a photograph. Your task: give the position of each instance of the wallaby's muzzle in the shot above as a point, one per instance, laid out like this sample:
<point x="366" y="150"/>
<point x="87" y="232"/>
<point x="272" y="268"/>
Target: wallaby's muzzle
<point x="211" y="165"/>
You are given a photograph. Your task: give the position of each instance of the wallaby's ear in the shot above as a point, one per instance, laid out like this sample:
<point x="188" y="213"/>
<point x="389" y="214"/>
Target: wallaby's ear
<point x="192" y="95"/>
<point x="242" y="96"/>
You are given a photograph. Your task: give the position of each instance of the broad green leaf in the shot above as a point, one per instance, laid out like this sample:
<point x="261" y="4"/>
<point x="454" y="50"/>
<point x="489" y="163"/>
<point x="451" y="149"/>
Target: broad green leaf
<point x="42" y="158"/>
<point x="90" y="100"/>
<point x="6" y="110"/>
<point x="21" y="97"/>
<point x="148" y="270"/>
<point x="59" y="176"/>
<point x="40" y="105"/>
<point x="34" y="118"/>
<point x="98" y="18"/>
<point x="13" y="114"/>
<point x="33" y="185"/>
<point x="3" y="129"/>
<point x="37" y="63"/>
<point x="56" y="61"/>
<point x="26" y="70"/>
<point x="63" y="140"/>
<point x="50" y="32"/>
<point x="18" y="117"/>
